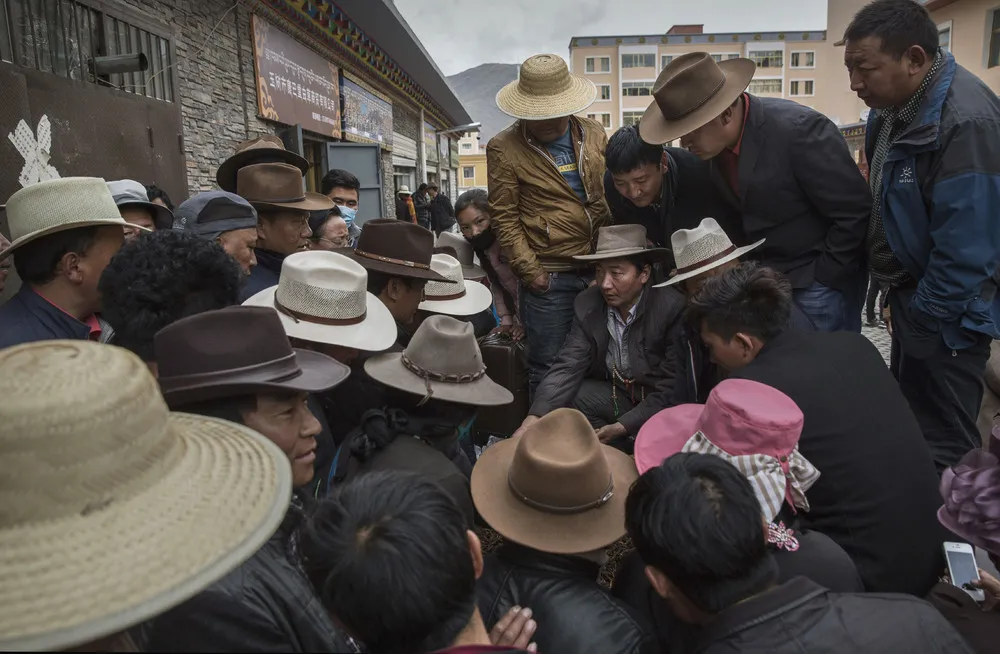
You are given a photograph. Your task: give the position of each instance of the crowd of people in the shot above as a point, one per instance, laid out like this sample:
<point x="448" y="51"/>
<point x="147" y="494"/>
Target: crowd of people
<point x="247" y="423"/>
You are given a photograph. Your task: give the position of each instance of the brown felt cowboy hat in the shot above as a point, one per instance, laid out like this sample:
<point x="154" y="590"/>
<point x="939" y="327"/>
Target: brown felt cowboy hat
<point x="555" y="488"/>
<point x="262" y="149"/>
<point x="622" y="242"/>
<point x="692" y="90"/>
<point x="395" y="248"/>
<point x="237" y="351"/>
<point x="277" y="186"/>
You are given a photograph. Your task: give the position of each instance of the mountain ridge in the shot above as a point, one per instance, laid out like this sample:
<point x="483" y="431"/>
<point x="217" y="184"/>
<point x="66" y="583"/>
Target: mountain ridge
<point x="477" y="89"/>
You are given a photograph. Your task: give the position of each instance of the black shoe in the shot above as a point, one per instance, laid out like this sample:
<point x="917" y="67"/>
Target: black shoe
<point x="871" y="322"/>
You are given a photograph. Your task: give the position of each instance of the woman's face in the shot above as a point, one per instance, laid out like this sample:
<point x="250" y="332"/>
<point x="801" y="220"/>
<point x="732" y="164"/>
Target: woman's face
<point x="473" y="222"/>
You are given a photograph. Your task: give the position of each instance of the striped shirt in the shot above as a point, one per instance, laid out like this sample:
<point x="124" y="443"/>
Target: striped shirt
<point x="617" y="357"/>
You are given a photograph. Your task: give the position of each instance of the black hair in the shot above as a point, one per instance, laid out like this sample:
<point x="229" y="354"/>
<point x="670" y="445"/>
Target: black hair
<point x="748" y="298"/>
<point x="477" y="198"/>
<point x="626" y="151"/>
<point x="232" y="409"/>
<point x="695" y="518"/>
<point x="388" y="557"/>
<point x="338" y="178"/>
<point x="154" y="192"/>
<point x="318" y="218"/>
<point x="159" y="278"/>
<point x="378" y="281"/>
<point x="36" y="262"/>
<point x="433" y="187"/>
<point x="422" y="188"/>
<point x="899" y="24"/>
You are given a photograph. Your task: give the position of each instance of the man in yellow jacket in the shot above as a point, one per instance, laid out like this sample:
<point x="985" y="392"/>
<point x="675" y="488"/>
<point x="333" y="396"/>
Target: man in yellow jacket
<point x="546" y="190"/>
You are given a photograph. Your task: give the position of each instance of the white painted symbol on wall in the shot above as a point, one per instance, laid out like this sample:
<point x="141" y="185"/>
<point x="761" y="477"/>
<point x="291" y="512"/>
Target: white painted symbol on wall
<point x="36" y="151"/>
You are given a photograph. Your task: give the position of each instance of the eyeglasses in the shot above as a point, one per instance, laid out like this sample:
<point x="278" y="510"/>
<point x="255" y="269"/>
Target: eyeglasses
<point x="338" y="243"/>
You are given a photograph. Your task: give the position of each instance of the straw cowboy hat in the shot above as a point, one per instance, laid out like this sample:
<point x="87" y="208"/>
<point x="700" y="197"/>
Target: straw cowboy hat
<point x="277" y="186"/>
<point x="262" y="149"/>
<point x="322" y="297"/>
<point x="130" y="193"/>
<point x="555" y="488"/>
<point x="237" y="351"/>
<point x="701" y="249"/>
<point x="456" y="297"/>
<point x="621" y="242"/>
<point x="395" y="248"/>
<point x="114" y="509"/>
<point x="463" y="252"/>
<point x="545" y="89"/>
<point x="751" y="425"/>
<point x="691" y="91"/>
<point x="442" y="362"/>
<point x="57" y="205"/>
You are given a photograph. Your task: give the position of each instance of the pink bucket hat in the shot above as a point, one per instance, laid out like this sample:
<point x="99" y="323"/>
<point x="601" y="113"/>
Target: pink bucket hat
<point x="751" y="425"/>
<point x="971" y="493"/>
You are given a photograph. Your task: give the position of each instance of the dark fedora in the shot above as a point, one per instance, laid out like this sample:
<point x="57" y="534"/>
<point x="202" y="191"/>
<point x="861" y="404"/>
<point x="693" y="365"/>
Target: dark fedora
<point x="262" y="149"/>
<point x="395" y="248"/>
<point x="237" y="351"/>
<point x="277" y="186"/>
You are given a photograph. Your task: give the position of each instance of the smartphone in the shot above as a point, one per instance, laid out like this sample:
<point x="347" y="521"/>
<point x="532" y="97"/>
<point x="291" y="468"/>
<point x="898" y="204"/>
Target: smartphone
<point x="963" y="569"/>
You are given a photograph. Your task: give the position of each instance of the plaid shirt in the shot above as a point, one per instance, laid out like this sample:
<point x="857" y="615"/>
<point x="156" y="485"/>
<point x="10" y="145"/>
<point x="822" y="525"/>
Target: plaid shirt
<point x="617" y="357"/>
<point x="885" y="267"/>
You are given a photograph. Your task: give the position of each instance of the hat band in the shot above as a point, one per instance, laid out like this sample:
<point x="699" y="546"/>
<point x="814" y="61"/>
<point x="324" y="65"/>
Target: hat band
<point x="451" y="378"/>
<point x="398" y="262"/>
<point x="442" y="298"/>
<point x="299" y="316"/>
<point x="704" y="262"/>
<point x="275" y="370"/>
<point x="704" y="101"/>
<point x="301" y="198"/>
<point x="561" y="510"/>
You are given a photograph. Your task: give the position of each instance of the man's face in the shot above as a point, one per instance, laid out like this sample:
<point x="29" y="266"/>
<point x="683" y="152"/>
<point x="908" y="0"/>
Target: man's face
<point x="285" y="231"/>
<point x="692" y="285"/>
<point x="239" y="244"/>
<point x="620" y="282"/>
<point x="287" y="422"/>
<point x="344" y="197"/>
<point x="402" y="297"/>
<point x="547" y="131"/>
<point x="432" y="192"/>
<point x="6" y="264"/>
<point x="710" y="139"/>
<point x="641" y="186"/>
<point x="88" y="267"/>
<point x="879" y="79"/>
<point x="137" y="215"/>
<point x="472" y="222"/>
<point x="731" y="354"/>
<point x="332" y="235"/>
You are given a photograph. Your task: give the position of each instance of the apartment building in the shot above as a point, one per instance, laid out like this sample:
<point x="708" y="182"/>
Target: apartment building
<point x="471" y="162"/>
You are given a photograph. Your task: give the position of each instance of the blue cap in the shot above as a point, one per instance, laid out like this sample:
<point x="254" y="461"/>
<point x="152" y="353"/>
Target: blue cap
<point x="214" y="212"/>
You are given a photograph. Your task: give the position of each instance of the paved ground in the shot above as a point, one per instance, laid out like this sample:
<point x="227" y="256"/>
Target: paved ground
<point x="880" y="337"/>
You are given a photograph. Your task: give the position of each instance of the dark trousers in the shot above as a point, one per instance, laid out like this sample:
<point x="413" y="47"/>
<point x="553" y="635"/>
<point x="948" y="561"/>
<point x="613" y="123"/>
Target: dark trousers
<point x="547" y="319"/>
<point x="594" y="400"/>
<point x="944" y="387"/>
<point x="876" y="294"/>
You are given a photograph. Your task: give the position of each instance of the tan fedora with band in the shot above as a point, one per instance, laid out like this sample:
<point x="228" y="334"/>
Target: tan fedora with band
<point x="622" y="242"/>
<point x="690" y="92"/>
<point x="277" y="186"/>
<point x="555" y="488"/>
<point x="456" y="296"/>
<point x="701" y="249"/>
<point x="545" y="89"/>
<point x="266" y="148"/>
<point x="114" y="509"/>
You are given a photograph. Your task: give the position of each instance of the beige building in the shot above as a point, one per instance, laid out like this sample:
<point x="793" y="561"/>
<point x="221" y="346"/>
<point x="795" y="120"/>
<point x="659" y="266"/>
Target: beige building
<point x="471" y="163"/>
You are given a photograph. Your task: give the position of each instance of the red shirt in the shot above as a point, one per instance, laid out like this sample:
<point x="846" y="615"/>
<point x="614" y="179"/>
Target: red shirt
<point x="92" y="322"/>
<point x="730" y="158"/>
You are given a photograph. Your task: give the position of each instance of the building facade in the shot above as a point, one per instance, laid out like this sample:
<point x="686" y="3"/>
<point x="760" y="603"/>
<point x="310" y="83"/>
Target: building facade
<point x="472" y="163"/>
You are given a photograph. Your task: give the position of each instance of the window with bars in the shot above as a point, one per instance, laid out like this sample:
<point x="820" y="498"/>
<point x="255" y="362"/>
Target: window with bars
<point x="62" y="37"/>
<point x="803" y="60"/>
<point x="760" y="86"/>
<point x="631" y="118"/>
<point x="633" y="89"/>
<point x="767" y="58"/>
<point x="639" y="60"/>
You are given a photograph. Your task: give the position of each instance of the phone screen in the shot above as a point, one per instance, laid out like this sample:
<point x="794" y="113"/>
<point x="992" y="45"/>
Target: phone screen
<point x="963" y="569"/>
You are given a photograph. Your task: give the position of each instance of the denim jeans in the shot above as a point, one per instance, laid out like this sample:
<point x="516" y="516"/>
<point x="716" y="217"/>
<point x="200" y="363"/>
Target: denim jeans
<point x="830" y="309"/>
<point x="547" y="318"/>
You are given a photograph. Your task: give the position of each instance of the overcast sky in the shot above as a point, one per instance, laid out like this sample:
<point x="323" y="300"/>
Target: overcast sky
<point x="461" y="34"/>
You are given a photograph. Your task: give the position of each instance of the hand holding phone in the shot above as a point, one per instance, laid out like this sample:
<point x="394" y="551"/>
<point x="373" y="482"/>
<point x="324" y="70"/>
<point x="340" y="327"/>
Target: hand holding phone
<point x="963" y="570"/>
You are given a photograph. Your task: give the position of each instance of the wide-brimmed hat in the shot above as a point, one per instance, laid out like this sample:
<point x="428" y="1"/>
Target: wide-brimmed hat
<point x="277" y="186"/>
<point x="690" y="91"/>
<point x="457" y="296"/>
<point x="545" y="89"/>
<point x="262" y="149"/>
<point x="621" y="242"/>
<point x="971" y="493"/>
<point x="441" y="362"/>
<point x="396" y="248"/>
<point x="214" y="212"/>
<point x="463" y="252"/>
<point x="404" y="190"/>
<point x="701" y="249"/>
<point x="237" y="351"/>
<point x="130" y="193"/>
<point x="555" y="488"/>
<point x="753" y="426"/>
<point x="322" y="297"/>
<point x="114" y="509"/>
<point x="57" y="205"/>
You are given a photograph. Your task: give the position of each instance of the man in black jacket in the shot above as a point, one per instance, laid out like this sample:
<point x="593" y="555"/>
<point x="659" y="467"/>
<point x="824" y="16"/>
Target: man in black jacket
<point x="442" y="213"/>
<point x="697" y="525"/>
<point x="878" y="491"/>
<point x="786" y="169"/>
<point x="617" y="364"/>
<point x="663" y="189"/>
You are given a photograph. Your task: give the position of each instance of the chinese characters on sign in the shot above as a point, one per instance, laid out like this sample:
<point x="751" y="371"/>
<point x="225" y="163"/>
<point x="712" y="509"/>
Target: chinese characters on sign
<point x="295" y="86"/>
<point x="367" y="116"/>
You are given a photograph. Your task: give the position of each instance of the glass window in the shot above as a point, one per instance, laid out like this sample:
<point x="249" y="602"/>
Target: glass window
<point x="760" y="86"/>
<point x="634" y="89"/>
<point x="801" y="87"/>
<point x="597" y="64"/>
<point x="767" y="58"/>
<point x="665" y="60"/>
<point x="604" y="119"/>
<point x="605" y="91"/>
<point x="631" y="118"/>
<point x="944" y="38"/>
<point x="468" y="172"/>
<point x="803" y="60"/>
<point x="639" y="60"/>
<point x="994" y="57"/>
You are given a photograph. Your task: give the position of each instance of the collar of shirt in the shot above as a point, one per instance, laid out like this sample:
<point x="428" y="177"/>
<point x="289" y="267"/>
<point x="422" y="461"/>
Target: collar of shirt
<point x="631" y="312"/>
<point x="91" y="321"/>
<point x="905" y="114"/>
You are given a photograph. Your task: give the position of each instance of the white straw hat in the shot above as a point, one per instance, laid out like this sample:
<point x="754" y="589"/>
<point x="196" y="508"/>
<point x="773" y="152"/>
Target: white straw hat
<point x="701" y="249"/>
<point x="112" y="509"/>
<point x="57" y="205"/>
<point x="456" y="297"/>
<point x="545" y="89"/>
<point x="322" y="297"/>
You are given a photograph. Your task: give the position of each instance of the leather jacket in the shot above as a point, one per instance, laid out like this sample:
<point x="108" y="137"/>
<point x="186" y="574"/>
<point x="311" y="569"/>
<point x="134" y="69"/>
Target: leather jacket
<point x="573" y="613"/>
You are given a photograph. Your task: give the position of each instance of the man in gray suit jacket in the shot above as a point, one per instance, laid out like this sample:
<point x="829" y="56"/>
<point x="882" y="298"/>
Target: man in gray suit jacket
<point x="785" y="167"/>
